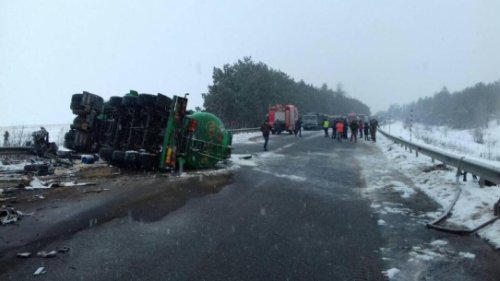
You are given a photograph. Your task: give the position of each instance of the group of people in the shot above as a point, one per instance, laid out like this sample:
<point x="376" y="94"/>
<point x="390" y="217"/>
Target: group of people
<point x="356" y="126"/>
<point x="339" y="129"/>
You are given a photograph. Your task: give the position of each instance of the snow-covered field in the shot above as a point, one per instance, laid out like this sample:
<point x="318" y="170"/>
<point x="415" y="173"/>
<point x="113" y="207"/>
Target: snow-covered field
<point x="463" y="142"/>
<point x="20" y="134"/>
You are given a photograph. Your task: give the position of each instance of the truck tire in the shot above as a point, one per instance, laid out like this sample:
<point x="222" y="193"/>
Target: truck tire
<point x="106" y="153"/>
<point x="132" y="159"/>
<point x="115" y="101"/>
<point x="76" y="104"/>
<point x="148" y="161"/>
<point x="146" y="100"/>
<point x="163" y="102"/>
<point x="69" y="139"/>
<point x="79" y="123"/>
<point x="81" y="142"/>
<point x="129" y="101"/>
<point x="118" y="157"/>
<point x="91" y="101"/>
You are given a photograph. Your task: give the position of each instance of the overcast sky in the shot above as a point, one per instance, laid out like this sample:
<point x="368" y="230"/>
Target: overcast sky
<point x="383" y="52"/>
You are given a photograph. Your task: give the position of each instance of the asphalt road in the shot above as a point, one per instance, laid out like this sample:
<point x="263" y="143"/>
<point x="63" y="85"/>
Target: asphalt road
<point x="298" y="214"/>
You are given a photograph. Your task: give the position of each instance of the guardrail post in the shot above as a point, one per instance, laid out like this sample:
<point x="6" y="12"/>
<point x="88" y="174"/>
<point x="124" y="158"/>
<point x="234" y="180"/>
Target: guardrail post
<point x="416" y="152"/>
<point x="465" y="176"/>
<point x="459" y="169"/>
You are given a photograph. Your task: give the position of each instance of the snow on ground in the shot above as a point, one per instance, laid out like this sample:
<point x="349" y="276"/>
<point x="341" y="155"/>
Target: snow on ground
<point x="251" y="137"/>
<point x="391" y="272"/>
<point x="456" y="141"/>
<point x="474" y="206"/>
<point x="20" y="134"/>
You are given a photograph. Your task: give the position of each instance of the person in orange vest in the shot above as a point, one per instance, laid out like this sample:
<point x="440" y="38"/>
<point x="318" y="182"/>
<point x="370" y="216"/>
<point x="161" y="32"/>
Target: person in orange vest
<point x="339" y="127"/>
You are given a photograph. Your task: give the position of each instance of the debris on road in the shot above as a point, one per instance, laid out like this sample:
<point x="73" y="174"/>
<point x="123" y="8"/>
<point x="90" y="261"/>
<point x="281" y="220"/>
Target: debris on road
<point x="38" y="197"/>
<point x="41" y="270"/>
<point x="391" y="272"/>
<point x="9" y="215"/>
<point x="96" y="190"/>
<point x="64" y="250"/>
<point x="36" y="183"/>
<point x="5" y="199"/>
<point x="43" y="254"/>
<point x="24" y="255"/>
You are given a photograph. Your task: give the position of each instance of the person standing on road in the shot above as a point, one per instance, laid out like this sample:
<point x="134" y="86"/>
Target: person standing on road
<point x="366" y="129"/>
<point x="266" y="129"/>
<point x="373" y="129"/>
<point x="339" y="127"/>
<point x="298" y="127"/>
<point x="361" y="125"/>
<point x="326" y="126"/>
<point x="6" y="139"/>
<point x="354" y="130"/>
<point x="345" y="128"/>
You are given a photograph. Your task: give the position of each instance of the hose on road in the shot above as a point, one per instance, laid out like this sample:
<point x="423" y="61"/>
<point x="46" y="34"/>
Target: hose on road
<point x="446" y="214"/>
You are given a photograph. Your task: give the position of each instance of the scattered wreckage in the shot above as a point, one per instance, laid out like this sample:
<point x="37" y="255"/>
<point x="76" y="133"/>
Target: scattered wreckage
<point x="136" y="131"/>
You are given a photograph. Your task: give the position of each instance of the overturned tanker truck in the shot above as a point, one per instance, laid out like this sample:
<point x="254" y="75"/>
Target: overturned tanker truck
<point x="143" y="131"/>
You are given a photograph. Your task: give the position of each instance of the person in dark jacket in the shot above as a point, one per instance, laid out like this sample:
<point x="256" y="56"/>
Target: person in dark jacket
<point x="346" y="124"/>
<point x="361" y="127"/>
<point x="266" y="129"/>
<point x="354" y="130"/>
<point x="366" y="128"/>
<point x="373" y="129"/>
<point x="298" y="127"/>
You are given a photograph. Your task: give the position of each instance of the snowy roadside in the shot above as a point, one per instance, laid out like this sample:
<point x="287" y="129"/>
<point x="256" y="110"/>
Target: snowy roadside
<point x="463" y="142"/>
<point x="474" y="206"/>
<point x="242" y="138"/>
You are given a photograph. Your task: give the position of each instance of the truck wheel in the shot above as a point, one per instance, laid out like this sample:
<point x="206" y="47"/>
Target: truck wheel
<point x="106" y="153"/>
<point x="79" y="123"/>
<point x="118" y="157"/>
<point x="163" y="102"/>
<point x="76" y="104"/>
<point x="146" y="100"/>
<point x="115" y="101"/>
<point x="129" y="101"/>
<point x="132" y="159"/>
<point x="148" y="161"/>
<point x="69" y="139"/>
<point x="81" y="143"/>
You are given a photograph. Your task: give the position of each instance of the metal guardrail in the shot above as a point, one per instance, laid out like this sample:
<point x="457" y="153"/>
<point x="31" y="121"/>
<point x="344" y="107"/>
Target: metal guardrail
<point x="243" y="130"/>
<point x="481" y="169"/>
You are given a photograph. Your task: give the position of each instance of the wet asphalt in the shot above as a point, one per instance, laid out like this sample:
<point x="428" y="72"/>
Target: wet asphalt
<point x="299" y="214"/>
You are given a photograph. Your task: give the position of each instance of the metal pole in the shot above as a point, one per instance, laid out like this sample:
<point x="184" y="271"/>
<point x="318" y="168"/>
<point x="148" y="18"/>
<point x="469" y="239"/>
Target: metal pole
<point x="411" y="124"/>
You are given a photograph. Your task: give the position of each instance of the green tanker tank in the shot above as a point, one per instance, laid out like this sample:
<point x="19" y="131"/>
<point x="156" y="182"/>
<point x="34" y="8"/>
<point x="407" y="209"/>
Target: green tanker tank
<point x="197" y="141"/>
<point x="210" y="142"/>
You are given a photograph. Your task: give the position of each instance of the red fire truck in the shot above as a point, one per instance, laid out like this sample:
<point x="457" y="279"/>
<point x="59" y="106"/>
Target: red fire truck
<point x="283" y="118"/>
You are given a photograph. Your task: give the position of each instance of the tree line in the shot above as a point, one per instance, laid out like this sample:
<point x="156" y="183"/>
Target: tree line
<point x="242" y="92"/>
<point x="473" y="107"/>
